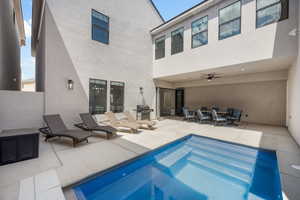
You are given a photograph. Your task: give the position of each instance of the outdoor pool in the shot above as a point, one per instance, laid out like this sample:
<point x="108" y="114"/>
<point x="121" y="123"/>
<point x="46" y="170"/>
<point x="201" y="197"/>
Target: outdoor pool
<point x="192" y="168"/>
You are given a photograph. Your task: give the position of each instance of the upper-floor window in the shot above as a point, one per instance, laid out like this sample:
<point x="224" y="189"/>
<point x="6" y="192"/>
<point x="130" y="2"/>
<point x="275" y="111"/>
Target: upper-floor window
<point x="97" y="96"/>
<point x="160" y="47"/>
<point x="230" y="20"/>
<point x="269" y="11"/>
<point x="200" y="32"/>
<point x="117" y="96"/>
<point x="177" y="41"/>
<point x="100" y="27"/>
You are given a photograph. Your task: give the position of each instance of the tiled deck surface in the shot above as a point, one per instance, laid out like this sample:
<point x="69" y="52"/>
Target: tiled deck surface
<point x="74" y="164"/>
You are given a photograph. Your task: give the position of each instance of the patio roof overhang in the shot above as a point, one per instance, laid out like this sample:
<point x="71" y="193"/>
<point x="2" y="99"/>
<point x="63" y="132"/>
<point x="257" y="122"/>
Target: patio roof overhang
<point x="266" y="70"/>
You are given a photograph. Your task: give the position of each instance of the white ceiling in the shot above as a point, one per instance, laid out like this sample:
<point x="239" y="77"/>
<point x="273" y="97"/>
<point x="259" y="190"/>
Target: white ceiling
<point x="278" y="64"/>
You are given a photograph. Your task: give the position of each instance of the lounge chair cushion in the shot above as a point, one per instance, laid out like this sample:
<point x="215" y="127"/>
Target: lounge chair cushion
<point x="120" y="123"/>
<point x="126" y="124"/>
<point x="131" y="119"/>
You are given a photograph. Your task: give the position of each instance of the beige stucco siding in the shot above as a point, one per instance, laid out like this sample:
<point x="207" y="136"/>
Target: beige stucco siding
<point x="293" y="115"/>
<point x="261" y="102"/>
<point x="70" y="53"/>
<point x="252" y="45"/>
<point x="10" y="70"/>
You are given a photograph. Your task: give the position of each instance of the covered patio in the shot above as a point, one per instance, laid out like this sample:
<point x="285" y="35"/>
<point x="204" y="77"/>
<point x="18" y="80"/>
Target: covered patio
<point x="258" y="90"/>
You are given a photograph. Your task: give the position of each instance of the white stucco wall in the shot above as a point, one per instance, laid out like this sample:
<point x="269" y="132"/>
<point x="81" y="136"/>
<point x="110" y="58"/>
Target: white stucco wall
<point x="262" y="102"/>
<point x="21" y="109"/>
<point x="10" y="70"/>
<point x="70" y="53"/>
<point x="269" y="42"/>
<point x="293" y="115"/>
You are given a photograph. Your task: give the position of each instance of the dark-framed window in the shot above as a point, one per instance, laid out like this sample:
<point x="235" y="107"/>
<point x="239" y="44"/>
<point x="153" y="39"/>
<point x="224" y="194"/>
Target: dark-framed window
<point x="177" y="38"/>
<point x="117" y="96"/>
<point x="230" y="20"/>
<point x="200" y="32"/>
<point x="160" y="47"/>
<point x="97" y="96"/>
<point x="100" y="27"/>
<point x="270" y="11"/>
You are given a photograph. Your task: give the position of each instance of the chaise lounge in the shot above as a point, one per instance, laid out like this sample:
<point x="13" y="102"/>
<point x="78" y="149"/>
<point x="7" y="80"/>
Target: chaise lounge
<point x="89" y="124"/>
<point x="121" y="123"/>
<point x="57" y="128"/>
<point x="149" y="124"/>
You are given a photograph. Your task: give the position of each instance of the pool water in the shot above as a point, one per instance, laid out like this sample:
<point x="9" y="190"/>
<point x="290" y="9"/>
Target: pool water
<point x="192" y="168"/>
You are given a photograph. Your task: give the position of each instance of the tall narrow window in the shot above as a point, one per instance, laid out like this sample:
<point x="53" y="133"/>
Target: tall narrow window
<point x="269" y="11"/>
<point x="116" y="96"/>
<point x="100" y="27"/>
<point x="200" y="32"/>
<point x="230" y="20"/>
<point x="177" y="41"/>
<point x="160" y="47"/>
<point x="98" y="96"/>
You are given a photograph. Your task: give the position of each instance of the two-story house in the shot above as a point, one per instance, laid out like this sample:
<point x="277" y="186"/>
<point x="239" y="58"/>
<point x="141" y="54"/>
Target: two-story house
<point x="113" y="55"/>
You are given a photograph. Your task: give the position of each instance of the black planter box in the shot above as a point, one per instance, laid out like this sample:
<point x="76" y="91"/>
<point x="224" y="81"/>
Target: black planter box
<point x="18" y="145"/>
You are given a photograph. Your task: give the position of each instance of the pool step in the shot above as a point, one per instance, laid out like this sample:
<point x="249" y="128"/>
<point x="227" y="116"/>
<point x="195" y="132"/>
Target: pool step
<point x="222" y="171"/>
<point x="224" y="153"/>
<point x="174" y="157"/>
<point x="239" y="148"/>
<point x="231" y="163"/>
<point x="235" y="149"/>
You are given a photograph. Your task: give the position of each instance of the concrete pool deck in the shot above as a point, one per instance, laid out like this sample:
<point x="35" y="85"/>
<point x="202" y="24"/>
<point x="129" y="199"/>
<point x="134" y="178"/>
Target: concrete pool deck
<point x="75" y="164"/>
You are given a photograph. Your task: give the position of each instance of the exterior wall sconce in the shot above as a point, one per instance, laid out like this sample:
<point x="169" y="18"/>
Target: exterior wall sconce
<point x="70" y="84"/>
<point x="141" y="90"/>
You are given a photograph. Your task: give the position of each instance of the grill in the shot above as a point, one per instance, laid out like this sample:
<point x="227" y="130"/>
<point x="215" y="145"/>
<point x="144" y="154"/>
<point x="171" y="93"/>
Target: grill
<point x="143" y="112"/>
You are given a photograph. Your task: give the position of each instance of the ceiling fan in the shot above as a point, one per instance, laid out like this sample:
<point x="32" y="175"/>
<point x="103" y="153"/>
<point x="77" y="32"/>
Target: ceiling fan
<point x="212" y="76"/>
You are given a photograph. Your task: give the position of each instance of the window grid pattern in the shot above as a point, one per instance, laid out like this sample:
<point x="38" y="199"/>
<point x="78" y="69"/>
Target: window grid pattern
<point x="97" y="96"/>
<point x="160" y="48"/>
<point x="270" y="11"/>
<point x="230" y="20"/>
<point x="200" y="32"/>
<point x="177" y="38"/>
<point x="117" y="96"/>
<point x="100" y="27"/>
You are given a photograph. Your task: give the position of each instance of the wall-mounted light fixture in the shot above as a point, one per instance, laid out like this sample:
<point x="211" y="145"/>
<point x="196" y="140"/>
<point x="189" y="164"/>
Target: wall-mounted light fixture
<point x="70" y="84"/>
<point x="141" y="90"/>
<point x="294" y="32"/>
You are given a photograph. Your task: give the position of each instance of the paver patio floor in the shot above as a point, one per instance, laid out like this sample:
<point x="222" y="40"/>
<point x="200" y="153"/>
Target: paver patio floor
<point x="75" y="164"/>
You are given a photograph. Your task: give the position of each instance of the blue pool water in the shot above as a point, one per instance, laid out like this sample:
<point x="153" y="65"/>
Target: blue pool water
<point x="192" y="168"/>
